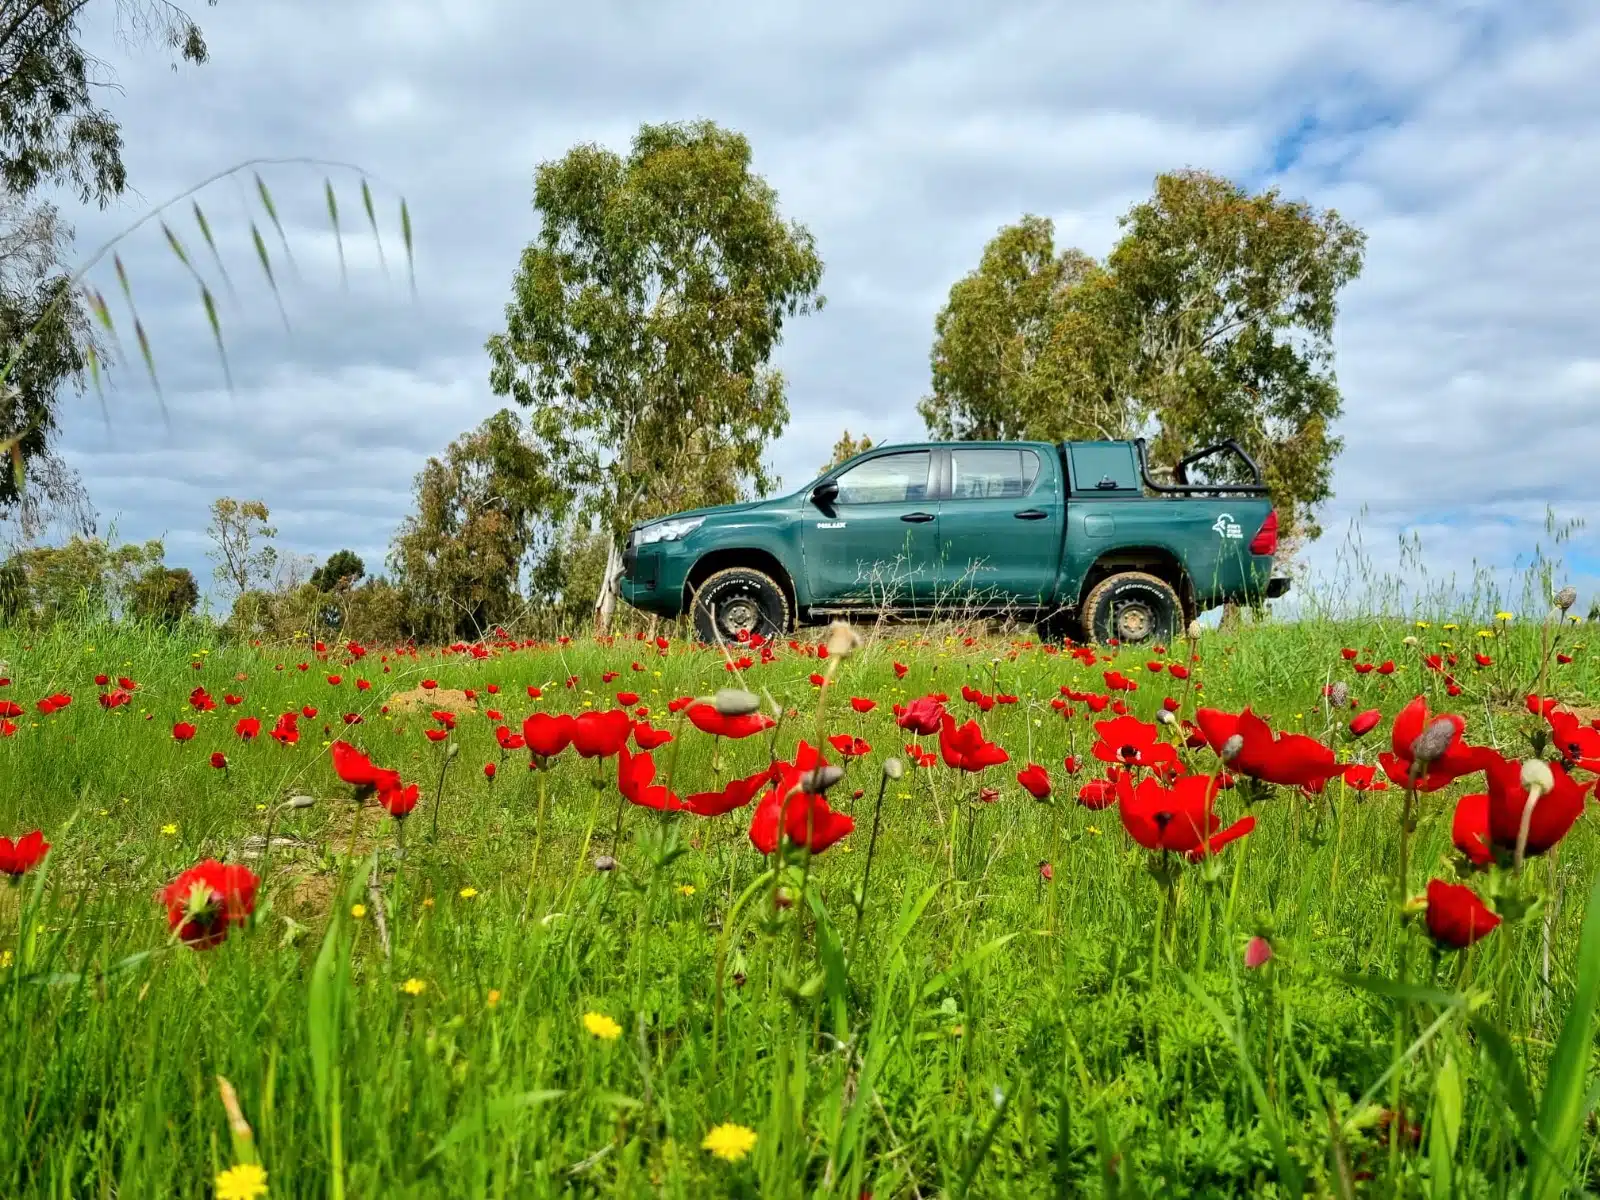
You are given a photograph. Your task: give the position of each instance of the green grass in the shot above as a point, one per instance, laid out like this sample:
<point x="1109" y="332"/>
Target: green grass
<point x="988" y="1033"/>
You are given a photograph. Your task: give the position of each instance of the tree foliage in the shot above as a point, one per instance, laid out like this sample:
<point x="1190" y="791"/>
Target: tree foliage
<point x="240" y="544"/>
<point x="845" y="449"/>
<point x="482" y="511"/>
<point x="1211" y="318"/>
<point x="85" y="575"/>
<point x="164" y="595"/>
<point x="643" y="318"/>
<point x="341" y="572"/>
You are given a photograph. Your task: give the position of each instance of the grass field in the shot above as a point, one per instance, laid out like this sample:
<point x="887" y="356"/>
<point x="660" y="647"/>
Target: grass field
<point x="1019" y="1000"/>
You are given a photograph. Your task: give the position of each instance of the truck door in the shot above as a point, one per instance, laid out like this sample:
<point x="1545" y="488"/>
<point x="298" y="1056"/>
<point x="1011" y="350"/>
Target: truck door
<point x="1000" y="526"/>
<point x="875" y="543"/>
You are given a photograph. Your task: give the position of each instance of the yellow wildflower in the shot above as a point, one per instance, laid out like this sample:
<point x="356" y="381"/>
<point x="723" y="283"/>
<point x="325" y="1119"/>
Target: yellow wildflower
<point x="169" y="830"/>
<point x="467" y="893"/>
<point x="686" y="889"/>
<point x="1094" y="830"/>
<point x="493" y="998"/>
<point x="602" y="1026"/>
<point x="413" y="987"/>
<point x="5" y="959"/>
<point x="1502" y="616"/>
<point x="247" y="1181"/>
<point x="358" y="911"/>
<point x="730" y="1142"/>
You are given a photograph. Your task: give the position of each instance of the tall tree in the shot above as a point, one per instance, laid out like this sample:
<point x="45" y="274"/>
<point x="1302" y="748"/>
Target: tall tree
<point x="241" y="544"/>
<point x="642" y="321"/>
<point x="54" y="133"/>
<point x="1212" y="317"/>
<point x="163" y="594"/>
<point x="342" y="570"/>
<point x="483" y="511"/>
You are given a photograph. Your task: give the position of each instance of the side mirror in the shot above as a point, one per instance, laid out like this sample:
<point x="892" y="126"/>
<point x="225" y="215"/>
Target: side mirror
<point x="825" y="493"/>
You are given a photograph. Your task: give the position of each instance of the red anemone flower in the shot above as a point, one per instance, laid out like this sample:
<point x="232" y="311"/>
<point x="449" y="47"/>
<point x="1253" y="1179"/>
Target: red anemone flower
<point x="248" y="727"/>
<point x="601" y="734"/>
<point x="219" y="760"/>
<point x="1129" y="741"/>
<point x="1177" y="818"/>
<point x="1097" y="793"/>
<point x="546" y="736"/>
<point x="1363" y="777"/>
<point x="356" y="769"/>
<point x="1469" y="829"/>
<point x="862" y="705"/>
<point x="1552" y="816"/>
<point x="647" y="737"/>
<point x="1035" y="780"/>
<point x="1456" y="917"/>
<point x="1458" y="760"/>
<point x="399" y="801"/>
<point x="737" y="794"/>
<point x="1364" y="723"/>
<point x="806" y="819"/>
<point x="1289" y="760"/>
<point x="21" y="856"/>
<point x="206" y="899"/>
<point x="183" y="731"/>
<point x="922" y="716"/>
<point x="848" y="746"/>
<point x="1577" y="743"/>
<point x="965" y="748"/>
<point x="636" y="781"/>
<point x="707" y="719"/>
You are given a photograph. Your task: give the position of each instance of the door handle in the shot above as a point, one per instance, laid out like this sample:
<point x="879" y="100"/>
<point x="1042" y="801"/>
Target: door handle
<point x="917" y="518"/>
<point x="1031" y="514"/>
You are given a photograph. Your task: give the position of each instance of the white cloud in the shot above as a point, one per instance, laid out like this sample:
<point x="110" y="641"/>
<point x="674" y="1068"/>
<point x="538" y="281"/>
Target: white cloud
<point x="1461" y="136"/>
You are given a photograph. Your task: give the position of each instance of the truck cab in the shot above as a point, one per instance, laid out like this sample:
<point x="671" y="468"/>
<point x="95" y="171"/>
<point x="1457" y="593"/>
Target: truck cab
<point x="1076" y="537"/>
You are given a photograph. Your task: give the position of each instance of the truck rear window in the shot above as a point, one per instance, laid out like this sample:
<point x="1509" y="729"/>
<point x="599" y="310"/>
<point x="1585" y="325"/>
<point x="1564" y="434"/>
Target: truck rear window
<point x="1104" y="468"/>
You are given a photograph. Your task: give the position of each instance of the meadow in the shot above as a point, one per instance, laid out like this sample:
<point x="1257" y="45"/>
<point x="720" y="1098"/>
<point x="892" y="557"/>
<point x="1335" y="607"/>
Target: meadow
<point x="545" y="977"/>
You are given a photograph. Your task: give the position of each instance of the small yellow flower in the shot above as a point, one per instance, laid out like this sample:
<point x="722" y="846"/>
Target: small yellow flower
<point x="493" y="998"/>
<point x="467" y="893"/>
<point x="730" y="1142"/>
<point x="169" y="830"/>
<point x="247" y="1181"/>
<point x="358" y="911"/>
<point x="1502" y="616"/>
<point x="1094" y="829"/>
<point x="5" y="959"/>
<point x="686" y="889"/>
<point x="413" y="987"/>
<point x="1422" y="625"/>
<point x="602" y="1026"/>
<point x="427" y="902"/>
<point x="261" y="808"/>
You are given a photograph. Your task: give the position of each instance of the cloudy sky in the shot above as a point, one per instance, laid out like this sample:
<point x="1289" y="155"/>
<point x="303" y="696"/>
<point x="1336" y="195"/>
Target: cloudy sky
<point x="1462" y="135"/>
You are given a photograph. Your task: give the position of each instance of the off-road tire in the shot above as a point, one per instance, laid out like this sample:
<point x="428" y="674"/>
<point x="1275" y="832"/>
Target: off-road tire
<point x="735" y="598"/>
<point x="1133" y="608"/>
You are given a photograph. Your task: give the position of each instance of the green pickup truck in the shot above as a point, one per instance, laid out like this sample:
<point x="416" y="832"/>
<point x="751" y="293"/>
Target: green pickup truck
<point x="1077" y="538"/>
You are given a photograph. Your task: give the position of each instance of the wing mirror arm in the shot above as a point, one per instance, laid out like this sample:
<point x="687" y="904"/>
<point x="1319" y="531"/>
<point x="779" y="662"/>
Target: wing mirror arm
<point x="825" y="493"/>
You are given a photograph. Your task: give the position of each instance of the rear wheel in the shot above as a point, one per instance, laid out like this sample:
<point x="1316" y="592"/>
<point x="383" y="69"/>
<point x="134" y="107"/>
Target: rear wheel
<point x="739" y="600"/>
<point x="1132" y="608"/>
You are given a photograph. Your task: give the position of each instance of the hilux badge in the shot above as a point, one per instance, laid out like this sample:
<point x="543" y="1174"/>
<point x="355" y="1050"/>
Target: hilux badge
<point x="830" y="524"/>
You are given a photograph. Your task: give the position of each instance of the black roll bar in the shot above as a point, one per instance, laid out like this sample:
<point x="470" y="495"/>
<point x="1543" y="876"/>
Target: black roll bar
<point x="1180" y="473"/>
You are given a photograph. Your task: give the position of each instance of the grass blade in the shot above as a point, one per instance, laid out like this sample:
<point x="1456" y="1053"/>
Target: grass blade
<point x="372" y="220"/>
<point x="406" y="238"/>
<point x="272" y="215"/>
<point x="338" y="237"/>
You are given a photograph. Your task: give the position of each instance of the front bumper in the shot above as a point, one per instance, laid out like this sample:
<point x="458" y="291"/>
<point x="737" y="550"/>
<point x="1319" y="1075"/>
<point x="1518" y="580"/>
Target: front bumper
<point x="653" y="577"/>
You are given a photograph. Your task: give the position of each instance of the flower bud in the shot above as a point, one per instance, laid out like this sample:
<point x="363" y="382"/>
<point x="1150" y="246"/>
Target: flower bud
<point x="1339" y="695"/>
<point x="843" y="640"/>
<point x="1193" y="631"/>
<point x="893" y="768"/>
<point x="605" y="863"/>
<point x="1231" y="748"/>
<point x="1536" y="773"/>
<point x="1257" y="953"/>
<point x="1164" y="717"/>
<point x="819" y="779"/>
<point x="299" y="802"/>
<point x="453" y="749"/>
<point x="736" y="702"/>
<point x="1408" y="640"/>
<point x="1430" y="745"/>
<point x="1566" y="598"/>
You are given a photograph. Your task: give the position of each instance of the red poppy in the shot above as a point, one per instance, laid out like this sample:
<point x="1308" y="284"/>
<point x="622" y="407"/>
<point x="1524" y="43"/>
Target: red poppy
<point x="627" y="699"/>
<point x="219" y="760"/>
<point x="647" y="737"/>
<point x="848" y="746"/>
<point x="636" y="781"/>
<point x="429" y="684"/>
<point x="1290" y="759"/>
<point x="231" y="700"/>
<point x="1035" y="780"/>
<point x="200" y="700"/>
<point x="922" y="716"/>
<point x="1577" y="743"/>
<point x="10" y="708"/>
<point x="546" y="735"/>
<point x="735" y="795"/>
<point x="607" y="676"/>
<point x="1177" y="818"/>
<point x="1129" y="741"/>
<point x="1553" y="814"/>
<point x="248" y="727"/>
<point x="1364" y="723"/>
<point x="183" y="731"/>
<point x="436" y="735"/>
<point x="356" y="769"/>
<point x="399" y="801"/>
<point x="601" y="734"/>
<point x="127" y="684"/>
<point x="972" y="695"/>
<point x="21" y="856"/>
<point x="862" y="705"/>
<point x="1097" y="793"/>
<point x="287" y="730"/>
<point x="1363" y="777"/>
<point x="965" y="748"/>
<point x="1458" y="760"/>
<point x="1348" y="654"/>
<point x="1469" y="829"/>
<point x="678" y="705"/>
<point x="1386" y="667"/>
<point x="206" y="899"/>
<point x="707" y="719"/>
<point x="1456" y="917"/>
<point x="900" y="670"/>
<point x="807" y="819"/>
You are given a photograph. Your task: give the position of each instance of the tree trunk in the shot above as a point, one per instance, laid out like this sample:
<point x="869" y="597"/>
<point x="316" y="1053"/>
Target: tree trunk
<point x="605" y="603"/>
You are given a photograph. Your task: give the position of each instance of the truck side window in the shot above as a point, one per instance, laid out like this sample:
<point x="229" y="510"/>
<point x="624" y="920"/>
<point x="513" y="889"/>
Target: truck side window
<point x="893" y="478"/>
<point x="992" y="473"/>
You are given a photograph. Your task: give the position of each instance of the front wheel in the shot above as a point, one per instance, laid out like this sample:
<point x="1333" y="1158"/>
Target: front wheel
<point x="739" y="601"/>
<point x="1132" y="608"/>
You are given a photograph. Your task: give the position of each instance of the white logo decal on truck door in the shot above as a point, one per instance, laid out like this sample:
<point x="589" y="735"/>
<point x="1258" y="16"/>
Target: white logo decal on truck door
<point x="1227" y="527"/>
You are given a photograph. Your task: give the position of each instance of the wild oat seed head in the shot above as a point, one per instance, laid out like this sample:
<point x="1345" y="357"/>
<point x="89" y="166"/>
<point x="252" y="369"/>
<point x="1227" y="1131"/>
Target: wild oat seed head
<point x="1566" y="598"/>
<point x="843" y="640"/>
<point x="1433" y="741"/>
<point x="1536" y="773"/>
<point x="1231" y="748"/>
<point x="736" y="702"/>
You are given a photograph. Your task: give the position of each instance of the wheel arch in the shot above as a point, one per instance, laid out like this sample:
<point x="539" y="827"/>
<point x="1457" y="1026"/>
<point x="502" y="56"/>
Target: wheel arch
<point x="712" y="561"/>
<point x="1152" y="560"/>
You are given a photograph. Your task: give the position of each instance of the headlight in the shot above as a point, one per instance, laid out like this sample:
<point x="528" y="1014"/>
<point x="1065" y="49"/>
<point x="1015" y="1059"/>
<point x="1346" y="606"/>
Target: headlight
<point x="667" y="531"/>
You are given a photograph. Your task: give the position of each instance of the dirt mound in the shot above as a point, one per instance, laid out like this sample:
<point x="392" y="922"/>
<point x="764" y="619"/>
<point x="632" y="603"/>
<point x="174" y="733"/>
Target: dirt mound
<point x="440" y="699"/>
